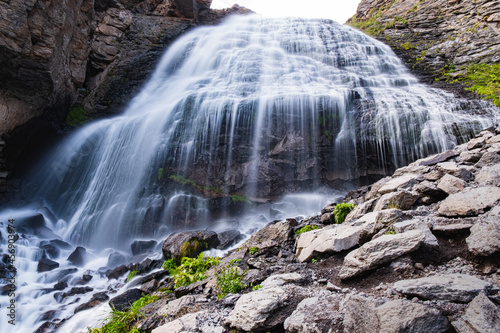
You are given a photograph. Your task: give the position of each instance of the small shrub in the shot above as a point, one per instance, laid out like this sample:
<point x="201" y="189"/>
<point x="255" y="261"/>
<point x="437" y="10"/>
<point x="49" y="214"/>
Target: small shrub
<point x="306" y="229"/>
<point x="253" y="250"/>
<point x="192" y="270"/>
<point x="314" y="260"/>
<point x="256" y="287"/>
<point x="390" y="231"/>
<point x="229" y="280"/>
<point x="76" y="116"/>
<point x="131" y="275"/>
<point x="169" y="265"/>
<point x="341" y="211"/>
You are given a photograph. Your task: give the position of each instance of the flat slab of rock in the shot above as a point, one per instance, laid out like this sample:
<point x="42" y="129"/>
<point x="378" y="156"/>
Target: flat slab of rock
<point x="315" y="314"/>
<point x="332" y="239"/>
<point x="363" y="314"/>
<point x="484" y="238"/>
<point x="187" y="323"/>
<point x="451" y="287"/>
<point x="470" y="202"/>
<point x="437" y="158"/>
<point x="489" y="175"/>
<point x="404" y="181"/>
<point x="380" y="251"/>
<point x="451" y="184"/>
<point x="482" y="315"/>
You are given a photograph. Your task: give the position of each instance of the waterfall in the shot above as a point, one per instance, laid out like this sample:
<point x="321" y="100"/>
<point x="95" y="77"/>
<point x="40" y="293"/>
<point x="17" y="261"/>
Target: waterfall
<point x="254" y="111"/>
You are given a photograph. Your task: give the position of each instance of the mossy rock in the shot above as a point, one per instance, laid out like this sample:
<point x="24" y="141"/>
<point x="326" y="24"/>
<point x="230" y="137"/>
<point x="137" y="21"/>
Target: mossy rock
<point x="189" y="244"/>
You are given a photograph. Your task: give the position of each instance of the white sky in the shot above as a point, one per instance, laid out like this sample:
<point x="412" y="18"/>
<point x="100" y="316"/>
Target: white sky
<point x="338" y="10"/>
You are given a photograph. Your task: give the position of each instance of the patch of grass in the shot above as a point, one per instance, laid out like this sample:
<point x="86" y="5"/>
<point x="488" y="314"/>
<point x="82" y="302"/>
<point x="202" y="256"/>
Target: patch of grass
<point x="253" y="250"/>
<point x="239" y="198"/>
<point x="341" y="211"/>
<point x="183" y="181"/>
<point x="229" y="280"/>
<point x="306" y="229"/>
<point x="192" y="269"/>
<point x="484" y="80"/>
<point x="131" y="275"/>
<point x="77" y="116"/>
<point x="256" y="287"/>
<point x="122" y="321"/>
<point x="371" y="26"/>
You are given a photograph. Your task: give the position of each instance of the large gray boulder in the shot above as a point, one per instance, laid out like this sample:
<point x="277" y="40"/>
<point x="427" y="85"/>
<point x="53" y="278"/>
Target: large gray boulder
<point x="187" y="323"/>
<point x="363" y="314"/>
<point x="484" y="238"/>
<point x="482" y="316"/>
<point x="489" y="175"/>
<point x="451" y="287"/>
<point x="470" y="202"/>
<point x="380" y="251"/>
<point x="315" y="315"/>
<point x="189" y="244"/>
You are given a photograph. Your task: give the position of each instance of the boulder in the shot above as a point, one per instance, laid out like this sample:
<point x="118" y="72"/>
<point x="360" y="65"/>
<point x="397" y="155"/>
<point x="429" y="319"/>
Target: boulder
<point x="229" y="238"/>
<point x="482" y="315"/>
<point x="451" y="287"/>
<point x="79" y="256"/>
<point x="139" y="247"/>
<point x="429" y="192"/>
<point x="116" y="259"/>
<point x="187" y="323"/>
<point x="451" y="184"/>
<point x="173" y="308"/>
<point x="489" y="175"/>
<point x="470" y="156"/>
<point x="460" y="171"/>
<point x="470" y="202"/>
<point x="400" y="199"/>
<point x="415" y="224"/>
<point x="364" y="314"/>
<point x="45" y="265"/>
<point x="488" y="159"/>
<point x="275" y="234"/>
<point x="437" y="158"/>
<point x="335" y="238"/>
<point x="189" y="244"/>
<point x="316" y="314"/>
<point x="124" y="301"/>
<point x="403" y="182"/>
<point x="484" y="238"/>
<point x="380" y="251"/>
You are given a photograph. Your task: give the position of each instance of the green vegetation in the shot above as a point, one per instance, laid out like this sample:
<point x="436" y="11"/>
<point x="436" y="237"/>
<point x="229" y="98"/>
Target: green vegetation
<point x="183" y="181"/>
<point x="160" y="173"/>
<point x="229" y="280"/>
<point x="239" y="198"/>
<point x="341" y="211"/>
<point x="190" y="270"/>
<point x="306" y="229"/>
<point x="371" y="26"/>
<point x="406" y="46"/>
<point x="256" y="287"/>
<point x="314" y="260"/>
<point x="169" y="265"/>
<point x="390" y="231"/>
<point x="122" y="321"/>
<point x="76" y="116"/>
<point x="484" y="80"/>
<point x="131" y="275"/>
<point x="253" y="250"/>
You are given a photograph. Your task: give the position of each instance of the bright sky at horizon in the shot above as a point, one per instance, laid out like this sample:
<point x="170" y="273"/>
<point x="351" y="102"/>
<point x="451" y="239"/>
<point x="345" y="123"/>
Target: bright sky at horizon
<point x="337" y="10"/>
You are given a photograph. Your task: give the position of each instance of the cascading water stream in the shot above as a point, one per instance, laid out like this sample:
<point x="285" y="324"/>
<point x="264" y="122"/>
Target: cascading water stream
<point x="252" y="110"/>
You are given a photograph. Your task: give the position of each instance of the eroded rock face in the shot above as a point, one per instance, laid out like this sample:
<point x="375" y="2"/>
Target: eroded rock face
<point x="435" y="36"/>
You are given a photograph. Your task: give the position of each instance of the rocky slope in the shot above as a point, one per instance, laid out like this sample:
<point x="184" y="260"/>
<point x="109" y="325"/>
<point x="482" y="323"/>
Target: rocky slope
<point x="435" y="37"/>
<point x="92" y="53"/>
<point x="419" y="253"/>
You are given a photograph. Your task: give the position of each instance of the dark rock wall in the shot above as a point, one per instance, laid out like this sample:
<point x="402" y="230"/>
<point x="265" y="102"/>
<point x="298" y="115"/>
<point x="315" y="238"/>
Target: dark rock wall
<point x="54" y="54"/>
<point x="434" y="35"/>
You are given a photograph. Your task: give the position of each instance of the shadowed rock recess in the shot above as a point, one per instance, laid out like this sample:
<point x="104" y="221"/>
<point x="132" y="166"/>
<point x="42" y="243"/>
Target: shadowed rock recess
<point x="430" y="267"/>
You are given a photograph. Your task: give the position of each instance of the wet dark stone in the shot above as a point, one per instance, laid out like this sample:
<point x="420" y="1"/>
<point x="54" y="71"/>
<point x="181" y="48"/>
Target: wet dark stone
<point x="228" y="238"/>
<point x="45" y="265"/>
<point x="46" y="327"/>
<point x="61" y="285"/>
<point x="139" y="247"/>
<point x="49" y="315"/>
<point x="117" y="272"/>
<point x="79" y="256"/>
<point x="50" y="249"/>
<point x="87" y="277"/>
<point x="116" y="259"/>
<point x="124" y="301"/>
<point x="96" y="299"/>
<point x="32" y="222"/>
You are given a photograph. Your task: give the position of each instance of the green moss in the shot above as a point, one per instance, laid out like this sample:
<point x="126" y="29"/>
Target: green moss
<point x="341" y="211"/>
<point x="131" y="275"/>
<point x="306" y="229"/>
<point x="253" y="250"/>
<point x="77" y="116"/>
<point x="183" y="181"/>
<point x="192" y="248"/>
<point x="484" y="80"/>
<point x="160" y="173"/>
<point x="239" y="198"/>
<point x="371" y="26"/>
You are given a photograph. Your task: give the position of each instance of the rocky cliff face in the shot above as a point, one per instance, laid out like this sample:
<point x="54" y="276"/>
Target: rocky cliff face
<point x="435" y="37"/>
<point x="96" y="53"/>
